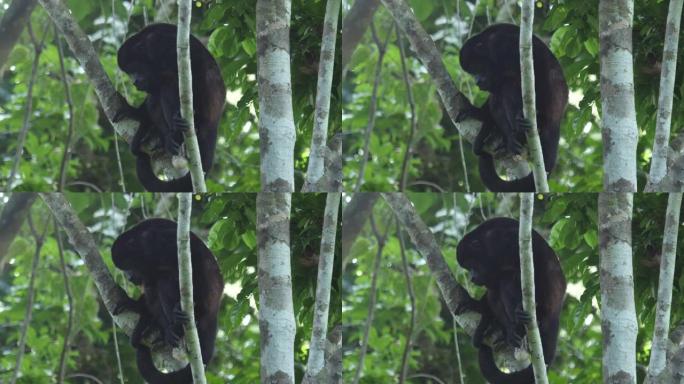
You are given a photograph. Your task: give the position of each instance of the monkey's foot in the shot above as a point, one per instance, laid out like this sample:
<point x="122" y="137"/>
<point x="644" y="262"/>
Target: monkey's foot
<point x="171" y="338"/>
<point x="179" y="316"/>
<point x="522" y="316"/>
<point x="126" y="304"/>
<point x="523" y="125"/>
<point x="172" y="146"/>
<point x="179" y="123"/>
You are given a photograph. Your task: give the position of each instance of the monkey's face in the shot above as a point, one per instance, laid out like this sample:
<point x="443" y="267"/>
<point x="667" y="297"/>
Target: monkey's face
<point x="469" y="253"/>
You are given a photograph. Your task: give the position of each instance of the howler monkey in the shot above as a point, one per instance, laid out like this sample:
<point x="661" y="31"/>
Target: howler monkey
<point x="493" y="57"/>
<point x="491" y="254"/>
<point x="147" y="254"/>
<point x="149" y="57"/>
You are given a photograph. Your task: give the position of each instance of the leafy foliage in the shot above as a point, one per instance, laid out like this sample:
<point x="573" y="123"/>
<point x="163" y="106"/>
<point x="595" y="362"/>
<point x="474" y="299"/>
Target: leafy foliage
<point x="571" y="29"/>
<point x="568" y="221"/>
<point x="228" y="28"/>
<point x="226" y="222"/>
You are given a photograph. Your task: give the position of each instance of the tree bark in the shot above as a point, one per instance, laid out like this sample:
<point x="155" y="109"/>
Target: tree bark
<point x="618" y="313"/>
<point x="276" y="313"/>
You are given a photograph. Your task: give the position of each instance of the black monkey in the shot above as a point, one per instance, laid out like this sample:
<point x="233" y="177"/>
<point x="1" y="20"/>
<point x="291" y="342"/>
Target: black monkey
<point x="149" y="57"/>
<point x="493" y="57"/>
<point x="491" y="254"/>
<point x="147" y="253"/>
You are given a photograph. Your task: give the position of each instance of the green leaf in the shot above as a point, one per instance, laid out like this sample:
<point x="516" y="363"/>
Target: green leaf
<point x="249" y="238"/>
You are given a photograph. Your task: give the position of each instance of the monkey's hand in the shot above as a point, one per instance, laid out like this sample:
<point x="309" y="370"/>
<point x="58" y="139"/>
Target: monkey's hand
<point x="171" y="338"/>
<point x="468" y="305"/>
<point x="126" y="111"/>
<point x="523" y="125"/>
<point x="521" y="316"/>
<point x="179" y="316"/>
<point x="179" y="123"/>
<point x="128" y="304"/>
<point x="172" y="139"/>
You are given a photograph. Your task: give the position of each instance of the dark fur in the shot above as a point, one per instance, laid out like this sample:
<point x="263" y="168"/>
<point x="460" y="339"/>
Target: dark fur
<point x="147" y="253"/>
<point x="493" y="58"/>
<point x="149" y="57"/>
<point x="491" y="254"/>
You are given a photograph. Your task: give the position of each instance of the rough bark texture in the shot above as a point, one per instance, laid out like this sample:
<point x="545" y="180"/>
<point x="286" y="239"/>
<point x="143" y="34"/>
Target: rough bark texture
<point x="326" y="64"/>
<point x="661" y="331"/>
<point x="276" y="121"/>
<point x="618" y="313"/>
<point x="192" y="341"/>
<point x="276" y="313"/>
<point x="618" y="114"/>
<point x="326" y="262"/>
<point x="528" y="288"/>
<point x="192" y="150"/>
<point x="536" y="158"/>
<point x="667" y="82"/>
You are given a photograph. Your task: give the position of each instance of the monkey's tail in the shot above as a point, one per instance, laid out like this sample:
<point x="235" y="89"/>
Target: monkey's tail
<point x="151" y="183"/>
<point x="153" y="376"/>
<point x="494" y="375"/>
<point x="496" y="184"/>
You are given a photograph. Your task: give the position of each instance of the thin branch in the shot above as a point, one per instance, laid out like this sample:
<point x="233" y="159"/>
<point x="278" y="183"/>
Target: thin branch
<point x="661" y="329"/>
<point x="326" y="261"/>
<point x="412" y="299"/>
<point x="380" y="241"/>
<point x="192" y="341"/>
<point x="70" y="302"/>
<point x="21" y="140"/>
<point x="414" y="118"/>
<point x="192" y="150"/>
<point x="326" y="64"/>
<point x="528" y="287"/>
<point x="667" y="83"/>
<point x="372" y="107"/>
<point x="536" y="158"/>
<point x="39" y="238"/>
<point x="70" y="106"/>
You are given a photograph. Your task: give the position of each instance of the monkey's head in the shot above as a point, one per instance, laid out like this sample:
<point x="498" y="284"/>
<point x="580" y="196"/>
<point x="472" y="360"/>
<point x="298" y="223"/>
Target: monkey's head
<point x="492" y="55"/>
<point x="149" y="55"/>
<point x="479" y="250"/>
<point x="136" y="251"/>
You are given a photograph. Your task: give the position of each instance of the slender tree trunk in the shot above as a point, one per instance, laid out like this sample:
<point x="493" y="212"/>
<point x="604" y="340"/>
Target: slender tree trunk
<point x="354" y="26"/>
<point x="326" y="261"/>
<point x="29" y="300"/>
<point x="186" y="289"/>
<point x="372" y="299"/>
<point x="528" y="288"/>
<point x="185" y="91"/>
<point x="276" y="120"/>
<point x="319" y="149"/>
<point x="667" y="82"/>
<point x="12" y="24"/>
<point x="276" y="313"/>
<point x="618" y="115"/>
<point x="12" y="217"/>
<point x="536" y="159"/>
<point x="618" y="313"/>
<point x="661" y="331"/>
